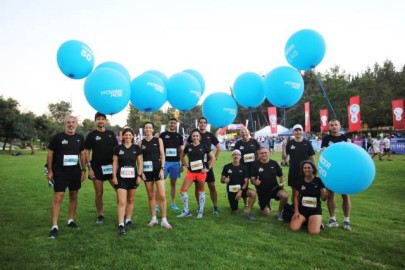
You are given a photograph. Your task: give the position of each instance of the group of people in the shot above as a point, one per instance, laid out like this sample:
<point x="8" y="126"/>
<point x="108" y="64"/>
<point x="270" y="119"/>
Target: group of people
<point x="126" y="164"/>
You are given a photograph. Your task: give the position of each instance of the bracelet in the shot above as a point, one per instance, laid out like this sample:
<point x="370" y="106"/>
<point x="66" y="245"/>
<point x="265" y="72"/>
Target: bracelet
<point x="88" y="164"/>
<point x="162" y="168"/>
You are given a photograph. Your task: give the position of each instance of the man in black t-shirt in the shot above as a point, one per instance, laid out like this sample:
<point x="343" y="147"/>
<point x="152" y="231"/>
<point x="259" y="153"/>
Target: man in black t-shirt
<point x="66" y="169"/>
<point x="101" y="143"/>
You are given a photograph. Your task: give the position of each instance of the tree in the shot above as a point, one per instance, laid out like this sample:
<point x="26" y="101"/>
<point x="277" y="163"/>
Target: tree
<point x="59" y="111"/>
<point x="8" y="118"/>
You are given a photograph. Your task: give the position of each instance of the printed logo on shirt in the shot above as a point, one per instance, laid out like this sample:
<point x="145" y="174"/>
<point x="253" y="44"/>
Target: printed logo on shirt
<point x="167" y="137"/>
<point x="143" y="147"/>
<point x="121" y="152"/>
<point x="229" y="171"/>
<point x="98" y="138"/>
<point x="292" y="147"/>
<point x="241" y="148"/>
<point x="65" y="141"/>
<point x="154" y="144"/>
<point x="261" y="169"/>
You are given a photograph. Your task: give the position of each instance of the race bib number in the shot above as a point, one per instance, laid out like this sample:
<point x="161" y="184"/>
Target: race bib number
<point x="171" y="152"/>
<point x="309" y="202"/>
<point x="70" y="160"/>
<point x="234" y="188"/>
<point x="196" y="165"/>
<point x="106" y="169"/>
<point x="127" y="172"/>
<point x="148" y="166"/>
<point x="249" y="157"/>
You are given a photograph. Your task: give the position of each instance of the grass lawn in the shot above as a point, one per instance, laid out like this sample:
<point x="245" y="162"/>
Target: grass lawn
<point x="214" y="242"/>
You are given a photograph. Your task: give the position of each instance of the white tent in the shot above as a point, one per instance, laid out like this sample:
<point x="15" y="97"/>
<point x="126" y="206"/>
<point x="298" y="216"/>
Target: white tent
<point x="266" y="131"/>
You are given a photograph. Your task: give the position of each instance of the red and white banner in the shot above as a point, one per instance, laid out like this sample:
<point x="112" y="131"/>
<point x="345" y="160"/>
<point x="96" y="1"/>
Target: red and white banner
<point x="272" y="119"/>
<point x="354" y="114"/>
<point x="307" y="118"/>
<point x="323" y="114"/>
<point x="398" y="114"/>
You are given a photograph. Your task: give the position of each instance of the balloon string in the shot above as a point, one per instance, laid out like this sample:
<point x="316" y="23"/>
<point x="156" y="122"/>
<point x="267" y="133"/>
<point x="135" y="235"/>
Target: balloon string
<point x="324" y="94"/>
<point x="251" y="121"/>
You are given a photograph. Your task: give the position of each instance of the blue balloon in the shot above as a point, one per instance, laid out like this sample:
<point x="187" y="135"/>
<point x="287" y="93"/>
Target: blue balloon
<point x="283" y="87"/>
<point x="199" y="78"/>
<point x="220" y="109"/>
<point x="107" y="91"/>
<point x="346" y="175"/>
<point x="75" y="59"/>
<point x="148" y="92"/>
<point x="116" y="66"/>
<point x="248" y="89"/>
<point x="305" y="49"/>
<point x="183" y="91"/>
<point x="159" y="74"/>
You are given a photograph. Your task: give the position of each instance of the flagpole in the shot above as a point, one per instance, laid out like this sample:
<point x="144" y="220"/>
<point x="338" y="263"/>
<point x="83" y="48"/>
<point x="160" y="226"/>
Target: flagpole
<point x="325" y="95"/>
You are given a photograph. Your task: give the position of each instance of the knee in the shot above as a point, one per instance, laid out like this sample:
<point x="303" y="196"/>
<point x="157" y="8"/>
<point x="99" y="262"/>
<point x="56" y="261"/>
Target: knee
<point x="314" y="231"/>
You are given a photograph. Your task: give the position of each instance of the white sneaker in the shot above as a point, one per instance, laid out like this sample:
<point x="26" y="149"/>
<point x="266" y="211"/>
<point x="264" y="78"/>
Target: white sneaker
<point x="184" y="214"/>
<point x="166" y="225"/>
<point x="153" y="223"/>
<point x="200" y="214"/>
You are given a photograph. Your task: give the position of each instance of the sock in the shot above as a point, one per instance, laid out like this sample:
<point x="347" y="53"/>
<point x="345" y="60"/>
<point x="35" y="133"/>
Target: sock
<point x="333" y="217"/>
<point x="154" y="218"/>
<point x="126" y="220"/>
<point x="201" y="201"/>
<point x="70" y="220"/>
<point x="55" y="227"/>
<point x="184" y="197"/>
<point x="164" y="220"/>
<point x="121" y="224"/>
<point x="346" y="219"/>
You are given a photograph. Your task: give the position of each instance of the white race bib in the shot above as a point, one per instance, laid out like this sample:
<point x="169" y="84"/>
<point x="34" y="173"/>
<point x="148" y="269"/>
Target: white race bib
<point x="171" y="152"/>
<point x="127" y="172"/>
<point x="249" y="157"/>
<point x="70" y="160"/>
<point x="309" y="202"/>
<point x="196" y="165"/>
<point x="106" y="169"/>
<point x="148" y="166"/>
<point x="234" y="188"/>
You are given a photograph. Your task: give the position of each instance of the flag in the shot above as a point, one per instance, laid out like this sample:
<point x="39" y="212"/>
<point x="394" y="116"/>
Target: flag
<point x="354" y="114"/>
<point x="398" y="114"/>
<point x="307" y="120"/>
<point x="272" y="119"/>
<point x="323" y="114"/>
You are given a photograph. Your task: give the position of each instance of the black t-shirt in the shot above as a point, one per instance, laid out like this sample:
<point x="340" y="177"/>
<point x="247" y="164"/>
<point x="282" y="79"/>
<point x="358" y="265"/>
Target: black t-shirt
<point x="101" y="144"/>
<point x="298" y="152"/>
<point x="150" y="149"/>
<point x="172" y="141"/>
<point x="330" y="139"/>
<point x="66" y="151"/>
<point x="207" y="139"/>
<point x="248" y="150"/>
<point x="267" y="173"/>
<point x="309" y="193"/>
<point x="127" y="156"/>
<point x="195" y="154"/>
<point x="236" y="174"/>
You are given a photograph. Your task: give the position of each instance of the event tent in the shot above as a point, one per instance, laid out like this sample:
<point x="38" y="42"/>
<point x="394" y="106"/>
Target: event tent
<point x="266" y="131"/>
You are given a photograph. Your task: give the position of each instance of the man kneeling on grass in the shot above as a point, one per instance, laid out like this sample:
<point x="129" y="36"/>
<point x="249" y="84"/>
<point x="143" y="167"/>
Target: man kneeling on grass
<point x="235" y="176"/>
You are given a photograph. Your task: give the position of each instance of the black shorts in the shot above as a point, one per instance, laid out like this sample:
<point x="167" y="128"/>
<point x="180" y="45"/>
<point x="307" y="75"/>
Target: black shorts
<point x="265" y="195"/>
<point x="152" y="176"/>
<point x="293" y="180"/>
<point x="307" y="212"/>
<point x="210" y="176"/>
<point x="71" y="180"/>
<point x="126" y="183"/>
<point x="98" y="173"/>
<point x="231" y="198"/>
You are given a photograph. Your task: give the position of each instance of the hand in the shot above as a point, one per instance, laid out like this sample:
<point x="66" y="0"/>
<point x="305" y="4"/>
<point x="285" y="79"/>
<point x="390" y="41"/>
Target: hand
<point x="296" y="215"/>
<point x="83" y="176"/>
<point x="49" y="176"/>
<point x="238" y="195"/>
<point x="115" y="180"/>
<point x="227" y="179"/>
<point x="257" y="182"/>
<point x="91" y="173"/>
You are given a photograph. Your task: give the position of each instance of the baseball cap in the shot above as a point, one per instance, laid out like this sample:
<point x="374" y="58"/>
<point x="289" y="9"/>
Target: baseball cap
<point x="236" y="152"/>
<point x="297" y="126"/>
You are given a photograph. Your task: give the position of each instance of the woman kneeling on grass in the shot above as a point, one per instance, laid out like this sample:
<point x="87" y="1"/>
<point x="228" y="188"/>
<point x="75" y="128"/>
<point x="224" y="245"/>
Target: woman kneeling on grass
<point x="127" y="171"/>
<point x="307" y="200"/>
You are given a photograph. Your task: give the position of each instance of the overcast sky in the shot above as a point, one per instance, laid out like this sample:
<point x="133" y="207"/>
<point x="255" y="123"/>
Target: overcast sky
<point x="219" y="38"/>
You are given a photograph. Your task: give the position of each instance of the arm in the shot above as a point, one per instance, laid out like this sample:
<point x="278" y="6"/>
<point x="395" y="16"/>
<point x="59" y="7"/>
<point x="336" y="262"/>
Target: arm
<point x="218" y="150"/>
<point x="212" y="160"/>
<point x="162" y="158"/>
<point x="139" y="168"/>
<point x="83" y="163"/>
<point x="49" y="162"/>
<point x="115" y="169"/>
<point x="324" y="194"/>
<point x="183" y="160"/>
<point x="87" y="155"/>
<point x="296" y="198"/>
<point x="224" y="179"/>
<point x="312" y="159"/>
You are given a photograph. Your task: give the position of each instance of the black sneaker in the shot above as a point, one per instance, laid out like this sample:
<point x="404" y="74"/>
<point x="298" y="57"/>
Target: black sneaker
<point x="129" y="224"/>
<point x="53" y="233"/>
<point x="121" y="230"/>
<point x="100" y="219"/>
<point x="73" y="225"/>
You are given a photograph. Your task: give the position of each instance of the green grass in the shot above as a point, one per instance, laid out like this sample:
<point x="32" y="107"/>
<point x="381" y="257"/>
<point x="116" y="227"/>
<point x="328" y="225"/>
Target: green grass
<point x="215" y="242"/>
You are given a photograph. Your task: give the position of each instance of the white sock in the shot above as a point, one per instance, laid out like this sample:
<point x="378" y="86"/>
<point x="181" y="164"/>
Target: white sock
<point x="334" y="218"/>
<point x="164" y="220"/>
<point x="154" y="218"/>
<point x="184" y="197"/>
<point x="70" y="220"/>
<point x="121" y="224"/>
<point x="55" y="227"/>
<point x="201" y="200"/>
<point x="126" y="220"/>
<point x="346" y="219"/>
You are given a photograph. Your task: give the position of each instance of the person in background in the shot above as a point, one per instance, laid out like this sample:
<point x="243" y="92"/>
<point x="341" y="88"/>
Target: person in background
<point x="66" y="163"/>
<point x="307" y="194"/>
<point x="387" y="147"/>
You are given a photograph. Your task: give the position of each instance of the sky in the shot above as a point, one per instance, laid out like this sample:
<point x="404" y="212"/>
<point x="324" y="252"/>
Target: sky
<point x="219" y="38"/>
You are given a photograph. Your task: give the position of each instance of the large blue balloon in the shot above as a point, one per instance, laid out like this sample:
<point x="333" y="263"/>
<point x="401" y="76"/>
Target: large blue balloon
<point x="183" y="91"/>
<point x="346" y="168"/>
<point x="199" y="78"/>
<point x="107" y="91"/>
<point x="75" y="59"/>
<point x="220" y="109"/>
<point x="305" y="49"/>
<point x="283" y="87"/>
<point x="148" y="92"/>
<point x="248" y="89"/>
<point x="116" y="66"/>
<point x="159" y="74"/>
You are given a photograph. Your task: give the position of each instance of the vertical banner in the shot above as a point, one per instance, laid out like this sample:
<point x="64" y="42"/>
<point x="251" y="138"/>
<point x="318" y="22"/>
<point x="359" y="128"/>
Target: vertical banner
<point x="323" y="114"/>
<point x="307" y="119"/>
<point x="272" y="119"/>
<point x="354" y="114"/>
<point x="398" y="114"/>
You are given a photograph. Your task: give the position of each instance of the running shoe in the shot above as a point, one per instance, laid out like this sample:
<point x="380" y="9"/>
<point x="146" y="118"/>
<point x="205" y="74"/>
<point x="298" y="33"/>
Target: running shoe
<point x="121" y="230"/>
<point x="280" y="217"/>
<point x="333" y="223"/>
<point x="166" y="225"/>
<point x="53" y="233"/>
<point x="129" y="224"/>
<point x="346" y="226"/>
<point x="153" y="223"/>
<point x="184" y="214"/>
<point x="174" y="207"/>
<point x="100" y="219"/>
<point x="73" y="225"/>
<point x="200" y="214"/>
<point x="215" y="211"/>
<point x="250" y="217"/>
